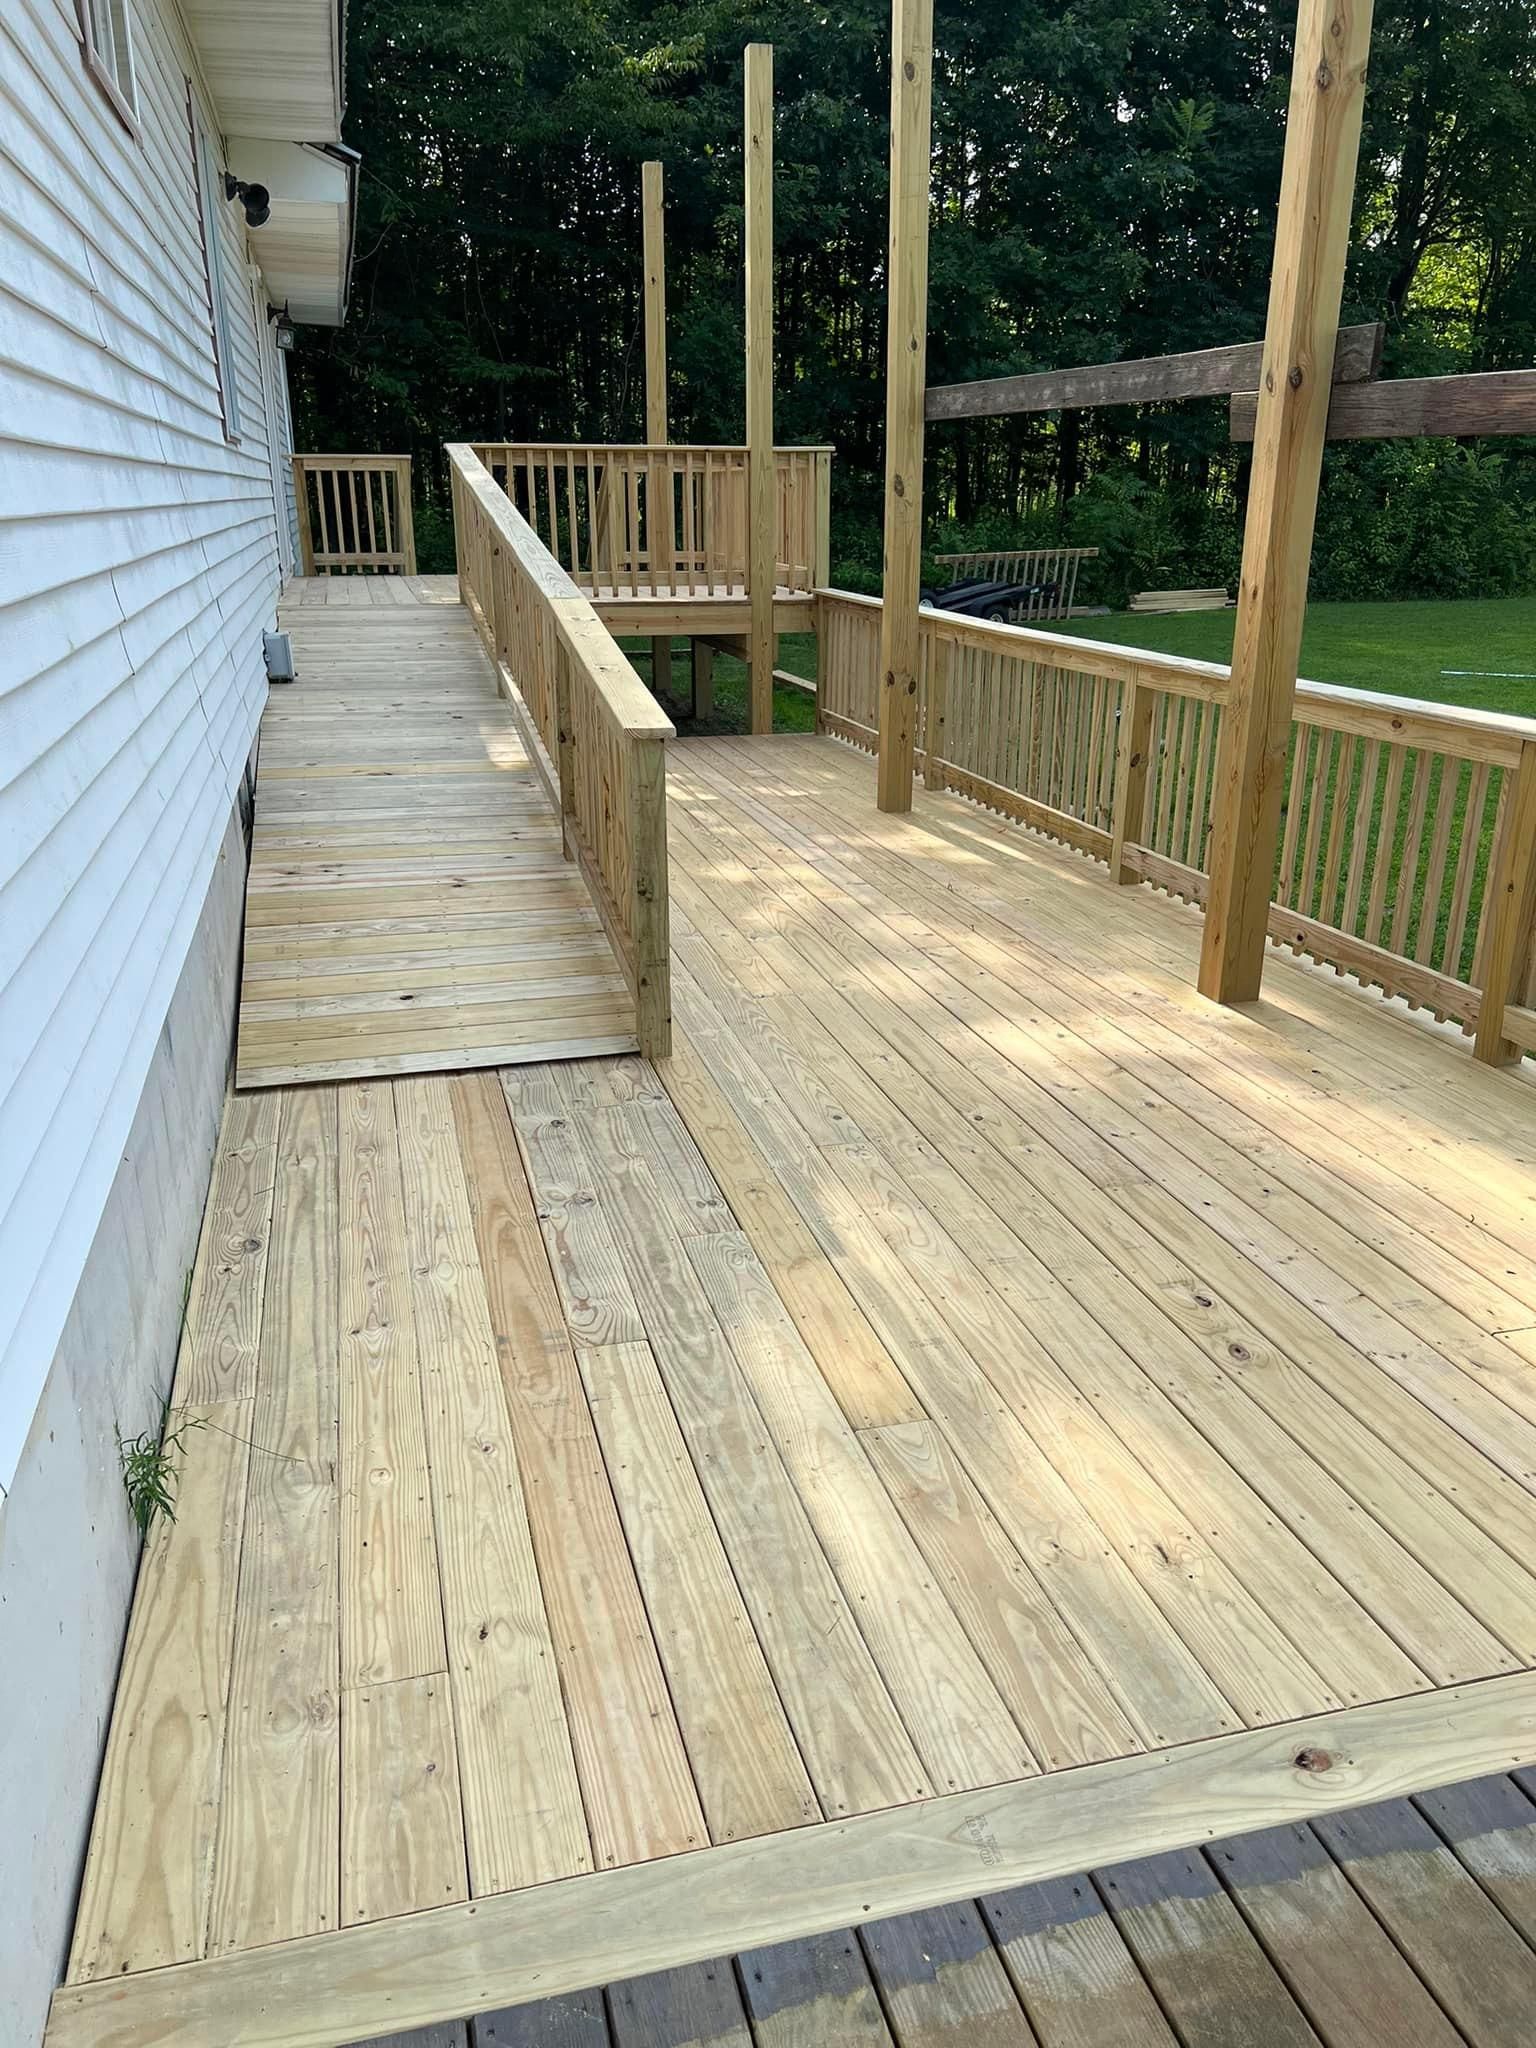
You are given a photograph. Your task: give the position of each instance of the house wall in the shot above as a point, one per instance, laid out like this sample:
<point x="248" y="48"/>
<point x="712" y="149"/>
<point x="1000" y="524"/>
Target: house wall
<point x="138" y="564"/>
<point x="139" y="561"/>
<point x="68" y="1550"/>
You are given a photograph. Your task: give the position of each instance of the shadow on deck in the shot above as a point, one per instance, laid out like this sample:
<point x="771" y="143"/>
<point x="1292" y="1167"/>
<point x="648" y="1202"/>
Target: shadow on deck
<point x="977" y="1412"/>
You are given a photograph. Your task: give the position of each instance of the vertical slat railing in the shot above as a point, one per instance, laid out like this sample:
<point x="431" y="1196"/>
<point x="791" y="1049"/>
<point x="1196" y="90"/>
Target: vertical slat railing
<point x="354" y="513"/>
<point x="595" y="732"/>
<point x="1408" y="844"/>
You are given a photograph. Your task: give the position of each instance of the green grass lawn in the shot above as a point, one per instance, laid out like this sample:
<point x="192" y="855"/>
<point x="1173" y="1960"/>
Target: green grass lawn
<point x="793" y="710"/>
<point x="1400" y="648"/>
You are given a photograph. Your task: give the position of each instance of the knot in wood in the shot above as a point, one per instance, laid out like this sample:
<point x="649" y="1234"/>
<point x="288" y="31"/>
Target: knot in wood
<point x="1294" y="377"/>
<point x="898" y="488"/>
<point x="1315" y="1760"/>
<point x="1325" y="76"/>
<point x="909" y="70"/>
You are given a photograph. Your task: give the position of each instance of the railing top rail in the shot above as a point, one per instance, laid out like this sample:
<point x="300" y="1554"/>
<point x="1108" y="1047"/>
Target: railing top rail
<point x="354" y="460"/>
<point x="1494" y="736"/>
<point x="1039" y="547"/>
<point x="629" y="702"/>
<point x="651" y="447"/>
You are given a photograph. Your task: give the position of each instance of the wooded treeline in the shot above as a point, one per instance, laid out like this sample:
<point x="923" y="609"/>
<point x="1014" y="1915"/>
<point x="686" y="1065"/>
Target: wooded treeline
<point x="1104" y="182"/>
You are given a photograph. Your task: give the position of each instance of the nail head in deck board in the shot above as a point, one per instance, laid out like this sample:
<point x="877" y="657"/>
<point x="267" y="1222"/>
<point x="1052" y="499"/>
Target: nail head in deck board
<point x="276" y="1872"/>
<point x="1322" y="1938"/>
<point x="1198" y="1953"/>
<point x="523" y="1815"/>
<point x="940" y="1980"/>
<point x="1074" y="1975"/>
<point x="556" y="1937"/>
<point x="391" y="1606"/>
<point x="1477" y="1966"/>
<point x="223" y="1323"/>
<point x="695" y="2006"/>
<point x="402" y="1825"/>
<point x="750" y="1775"/>
<point x="1067" y="1712"/>
<point x="638" y="1789"/>
<point x="806" y="1994"/>
<point x="144" y="1894"/>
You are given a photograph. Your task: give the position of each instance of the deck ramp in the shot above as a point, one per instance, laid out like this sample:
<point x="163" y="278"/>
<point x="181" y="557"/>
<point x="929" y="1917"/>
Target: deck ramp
<point x="409" y="909"/>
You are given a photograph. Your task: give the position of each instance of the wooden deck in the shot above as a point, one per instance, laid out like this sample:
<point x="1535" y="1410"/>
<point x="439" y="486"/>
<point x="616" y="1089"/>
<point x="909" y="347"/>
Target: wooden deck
<point x="1412" y="1922"/>
<point x="409" y="908"/>
<point x="977" y="1412"/>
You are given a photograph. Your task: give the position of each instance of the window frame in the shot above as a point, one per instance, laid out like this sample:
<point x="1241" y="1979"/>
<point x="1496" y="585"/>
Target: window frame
<point x="208" y="183"/>
<point x="108" y="66"/>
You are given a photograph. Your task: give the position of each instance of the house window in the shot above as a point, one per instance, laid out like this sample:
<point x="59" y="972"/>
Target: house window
<point x="106" y="30"/>
<point x="210" y="193"/>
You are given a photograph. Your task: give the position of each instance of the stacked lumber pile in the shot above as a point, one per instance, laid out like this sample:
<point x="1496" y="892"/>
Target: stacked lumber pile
<point x="1179" y="601"/>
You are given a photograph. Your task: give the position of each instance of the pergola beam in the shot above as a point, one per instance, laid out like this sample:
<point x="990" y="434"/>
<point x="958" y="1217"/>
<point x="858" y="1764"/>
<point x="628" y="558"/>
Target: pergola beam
<point x="1192" y="373"/>
<point x="1482" y="402"/>
<point x="1317" y="183"/>
<point x="905" y="369"/>
<point x="762" y="503"/>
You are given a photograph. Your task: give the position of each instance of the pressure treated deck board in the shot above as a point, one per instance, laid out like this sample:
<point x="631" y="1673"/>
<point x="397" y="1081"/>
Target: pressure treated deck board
<point x="998" y="1367"/>
<point x="394" y="793"/>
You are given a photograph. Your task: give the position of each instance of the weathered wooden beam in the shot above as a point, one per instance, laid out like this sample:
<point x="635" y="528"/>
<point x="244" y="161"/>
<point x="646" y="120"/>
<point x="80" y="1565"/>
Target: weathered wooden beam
<point x="1317" y="183"/>
<point x="1482" y="402"/>
<point x="1194" y="373"/>
<point x="905" y="367"/>
<point x="762" y="503"/>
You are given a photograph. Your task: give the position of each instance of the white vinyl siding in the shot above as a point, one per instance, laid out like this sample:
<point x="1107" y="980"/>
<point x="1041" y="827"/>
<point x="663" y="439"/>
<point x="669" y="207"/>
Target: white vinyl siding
<point x="138" y="565"/>
<point x="210" y="191"/>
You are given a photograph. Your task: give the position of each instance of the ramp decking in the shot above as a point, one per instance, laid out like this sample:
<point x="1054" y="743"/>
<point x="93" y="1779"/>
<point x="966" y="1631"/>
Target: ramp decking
<point x="977" y="1411"/>
<point x="409" y="909"/>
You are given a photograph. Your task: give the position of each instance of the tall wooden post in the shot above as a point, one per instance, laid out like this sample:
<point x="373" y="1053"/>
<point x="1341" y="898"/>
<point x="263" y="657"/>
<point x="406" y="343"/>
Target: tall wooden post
<point x="1317" y="183"/>
<point x="762" y="496"/>
<point x="658" y="481"/>
<point x="906" y="358"/>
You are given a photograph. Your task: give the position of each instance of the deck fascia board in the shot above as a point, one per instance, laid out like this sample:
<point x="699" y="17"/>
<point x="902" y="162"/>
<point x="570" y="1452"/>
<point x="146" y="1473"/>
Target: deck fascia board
<point x="360" y="1983"/>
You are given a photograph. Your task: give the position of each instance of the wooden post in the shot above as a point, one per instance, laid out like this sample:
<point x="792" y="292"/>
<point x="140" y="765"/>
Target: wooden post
<point x="301" y="507"/>
<point x="405" y="517"/>
<point x="703" y="679"/>
<point x="1511" y="913"/>
<point x="650" y="940"/>
<point x="905" y="368"/>
<point x="762" y="497"/>
<point x="1133" y="761"/>
<point x="653" y="233"/>
<point x="1322" y="143"/>
<point x="659" y="481"/>
<point x="821" y="568"/>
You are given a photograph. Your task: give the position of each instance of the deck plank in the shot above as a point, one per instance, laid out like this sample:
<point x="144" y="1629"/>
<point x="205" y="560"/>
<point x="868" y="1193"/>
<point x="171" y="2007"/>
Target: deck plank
<point x="523" y="1816"/>
<point x="391" y="1608"/>
<point x="636" y="1782"/>
<point x="277" y="1862"/>
<point x="394" y="786"/>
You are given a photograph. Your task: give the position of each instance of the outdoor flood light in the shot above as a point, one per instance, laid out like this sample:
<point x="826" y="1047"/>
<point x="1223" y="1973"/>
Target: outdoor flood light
<point x="256" y="199"/>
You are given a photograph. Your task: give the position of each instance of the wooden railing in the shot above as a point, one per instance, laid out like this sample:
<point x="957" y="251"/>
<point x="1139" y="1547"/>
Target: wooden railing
<point x="354" y="512"/>
<point x="672" y="521"/>
<point x="1408" y="850"/>
<point x="595" y="732"/>
<point x="1055" y="568"/>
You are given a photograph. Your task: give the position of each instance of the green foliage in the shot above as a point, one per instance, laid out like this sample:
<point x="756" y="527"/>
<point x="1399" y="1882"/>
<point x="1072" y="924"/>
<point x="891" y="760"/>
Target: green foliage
<point x="148" y="1463"/>
<point x="1104" y="183"/>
